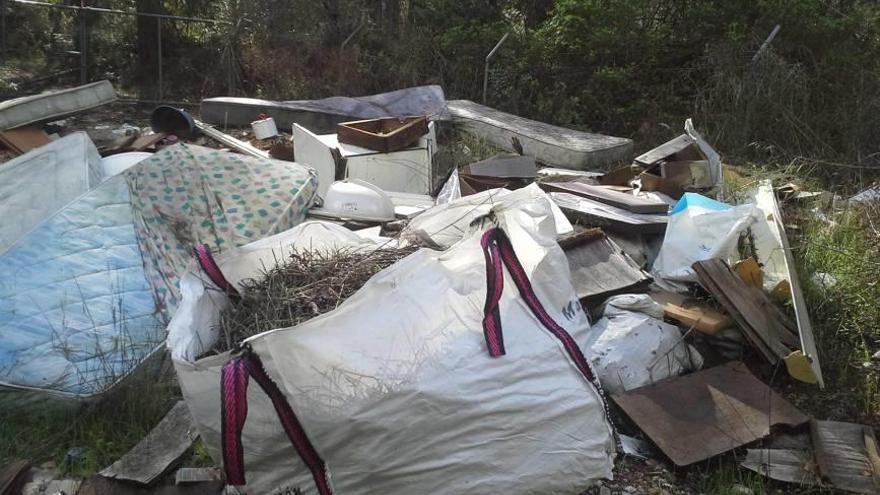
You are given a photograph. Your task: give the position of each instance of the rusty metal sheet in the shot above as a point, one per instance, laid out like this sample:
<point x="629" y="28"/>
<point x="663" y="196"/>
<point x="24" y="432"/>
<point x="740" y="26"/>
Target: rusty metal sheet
<point x="694" y="417"/>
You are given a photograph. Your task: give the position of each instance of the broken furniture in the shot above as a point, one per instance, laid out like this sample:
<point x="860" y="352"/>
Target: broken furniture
<point x="407" y="170"/>
<point x="685" y="163"/>
<point x="764" y="324"/>
<point x="549" y="144"/>
<point x="322" y="116"/>
<point x="599" y="268"/>
<point x="694" y="417"/>
<point x="54" y="105"/>
<point x="592" y="213"/>
<point x="23" y="139"/>
<point x="385" y="135"/>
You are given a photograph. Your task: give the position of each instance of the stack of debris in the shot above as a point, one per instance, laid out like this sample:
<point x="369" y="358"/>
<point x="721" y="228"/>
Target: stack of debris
<point x="364" y="286"/>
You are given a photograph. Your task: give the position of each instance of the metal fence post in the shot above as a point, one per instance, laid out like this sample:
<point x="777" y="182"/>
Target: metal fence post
<point x="486" y="69"/>
<point x="159" y="54"/>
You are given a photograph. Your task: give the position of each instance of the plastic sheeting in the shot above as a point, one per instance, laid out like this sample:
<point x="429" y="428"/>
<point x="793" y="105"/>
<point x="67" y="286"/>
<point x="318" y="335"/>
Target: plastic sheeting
<point x="37" y="184"/>
<point x="397" y="392"/>
<point x="631" y="346"/>
<point x="76" y="311"/>
<point x="700" y="228"/>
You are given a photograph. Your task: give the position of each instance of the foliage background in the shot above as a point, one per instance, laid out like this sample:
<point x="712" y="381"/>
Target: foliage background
<point x="634" y="68"/>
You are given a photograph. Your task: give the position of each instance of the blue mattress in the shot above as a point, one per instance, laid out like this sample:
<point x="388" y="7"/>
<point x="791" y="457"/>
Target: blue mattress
<point x="76" y="310"/>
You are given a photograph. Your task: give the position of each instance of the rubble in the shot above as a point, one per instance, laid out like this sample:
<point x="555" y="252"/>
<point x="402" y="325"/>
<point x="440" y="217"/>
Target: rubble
<point x="381" y="336"/>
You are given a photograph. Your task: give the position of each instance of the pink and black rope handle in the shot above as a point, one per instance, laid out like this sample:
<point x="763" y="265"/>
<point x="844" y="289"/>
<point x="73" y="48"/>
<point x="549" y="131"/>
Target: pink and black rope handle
<point x="234" y="377"/>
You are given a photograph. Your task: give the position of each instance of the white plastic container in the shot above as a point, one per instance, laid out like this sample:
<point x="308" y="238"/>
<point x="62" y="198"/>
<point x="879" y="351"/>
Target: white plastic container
<point x="264" y="129"/>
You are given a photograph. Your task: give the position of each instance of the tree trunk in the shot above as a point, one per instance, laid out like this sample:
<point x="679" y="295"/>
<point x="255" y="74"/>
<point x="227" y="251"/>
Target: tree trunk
<point x="147" y="41"/>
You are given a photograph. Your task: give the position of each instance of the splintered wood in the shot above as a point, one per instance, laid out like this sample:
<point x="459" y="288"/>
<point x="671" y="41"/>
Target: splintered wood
<point x="765" y="325"/>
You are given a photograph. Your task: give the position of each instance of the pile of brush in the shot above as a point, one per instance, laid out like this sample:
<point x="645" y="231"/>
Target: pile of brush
<point x="299" y="288"/>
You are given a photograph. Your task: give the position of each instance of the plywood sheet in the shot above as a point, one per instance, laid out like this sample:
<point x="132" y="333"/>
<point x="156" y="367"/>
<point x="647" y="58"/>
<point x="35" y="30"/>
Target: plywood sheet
<point x="694" y="417"/>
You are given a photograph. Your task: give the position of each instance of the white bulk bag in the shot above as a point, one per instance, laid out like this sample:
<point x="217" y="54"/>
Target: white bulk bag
<point x="397" y="393"/>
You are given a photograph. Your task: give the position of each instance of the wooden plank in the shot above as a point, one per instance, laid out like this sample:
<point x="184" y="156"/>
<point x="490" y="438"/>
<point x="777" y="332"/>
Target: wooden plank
<point x="788" y="465"/>
<point x="13" y="476"/>
<point x="692" y="313"/>
<point x="24" y="139"/>
<point x="666" y="149"/>
<point x="197" y="475"/>
<point x="609" y="196"/>
<point x="764" y="325"/>
<point x="160" y="450"/>
<point x="842" y="455"/>
<point x="697" y="416"/>
<point x="595" y="214"/>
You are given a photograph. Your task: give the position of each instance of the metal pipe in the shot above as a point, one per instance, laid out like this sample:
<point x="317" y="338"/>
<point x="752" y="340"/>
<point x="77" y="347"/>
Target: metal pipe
<point x="83" y="52"/>
<point x="766" y="43"/>
<point x="159" y="53"/>
<point x="119" y="12"/>
<point x="486" y="69"/>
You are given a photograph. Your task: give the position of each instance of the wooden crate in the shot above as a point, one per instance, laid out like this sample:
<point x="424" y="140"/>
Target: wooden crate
<point x="386" y="135"/>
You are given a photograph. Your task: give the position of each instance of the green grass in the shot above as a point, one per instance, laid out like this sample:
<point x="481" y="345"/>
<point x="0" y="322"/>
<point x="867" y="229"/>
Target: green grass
<point x="102" y="431"/>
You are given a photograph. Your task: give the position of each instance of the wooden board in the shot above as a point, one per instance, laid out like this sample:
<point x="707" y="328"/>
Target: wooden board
<point x="697" y="416"/>
<point x="788" y="465"/>
<point x="665" y="150"/>
<point x="595" y="214"/>
<point x="159" y="451"/>
<point x="12" y="477"/>
<point x="600" y="269"/>
<point x="766" y="327"/>
<point x="844" y="453"/>
<point x="610" y="196"/>
<point x="692" y="313"/>
<point x="24" y="139"/>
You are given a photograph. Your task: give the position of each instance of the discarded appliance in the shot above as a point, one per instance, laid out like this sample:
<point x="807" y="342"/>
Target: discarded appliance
<point x="24" y="139"/>
<point x="622" y="198"/>
<point x="685" y="163"/>
<point x="385" y="135"/>
<point x="408" y="170"/>
<point x="700" y="228"/>
<point x="264" y="128"/>
<point x="187" y="195"/>
<point x="444" y="225"/>
<point x="356" y="200"/>
<point x="599" y="268"/>
<point x="37" y="184"/>
<point x="322" y="116"/>
<point x="427" y="373"/>
<point x="839" y="455"/>
<point x="595" y="214"/>
<point x="631" y="346"/>
<point x="780" y="276"/>
<point x="551" y="145"/>
<point x="120" y="162"/>
<point x="697" y="416"/>
<point x="77" y="313"/>
<point x="409" y="205"/>
<point x="54" y="105"/>
<point x="162" y="448"/>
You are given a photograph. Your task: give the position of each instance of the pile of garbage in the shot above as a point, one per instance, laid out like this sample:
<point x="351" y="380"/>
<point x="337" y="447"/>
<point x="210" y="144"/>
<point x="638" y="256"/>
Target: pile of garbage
<point x="510" y="324"/>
